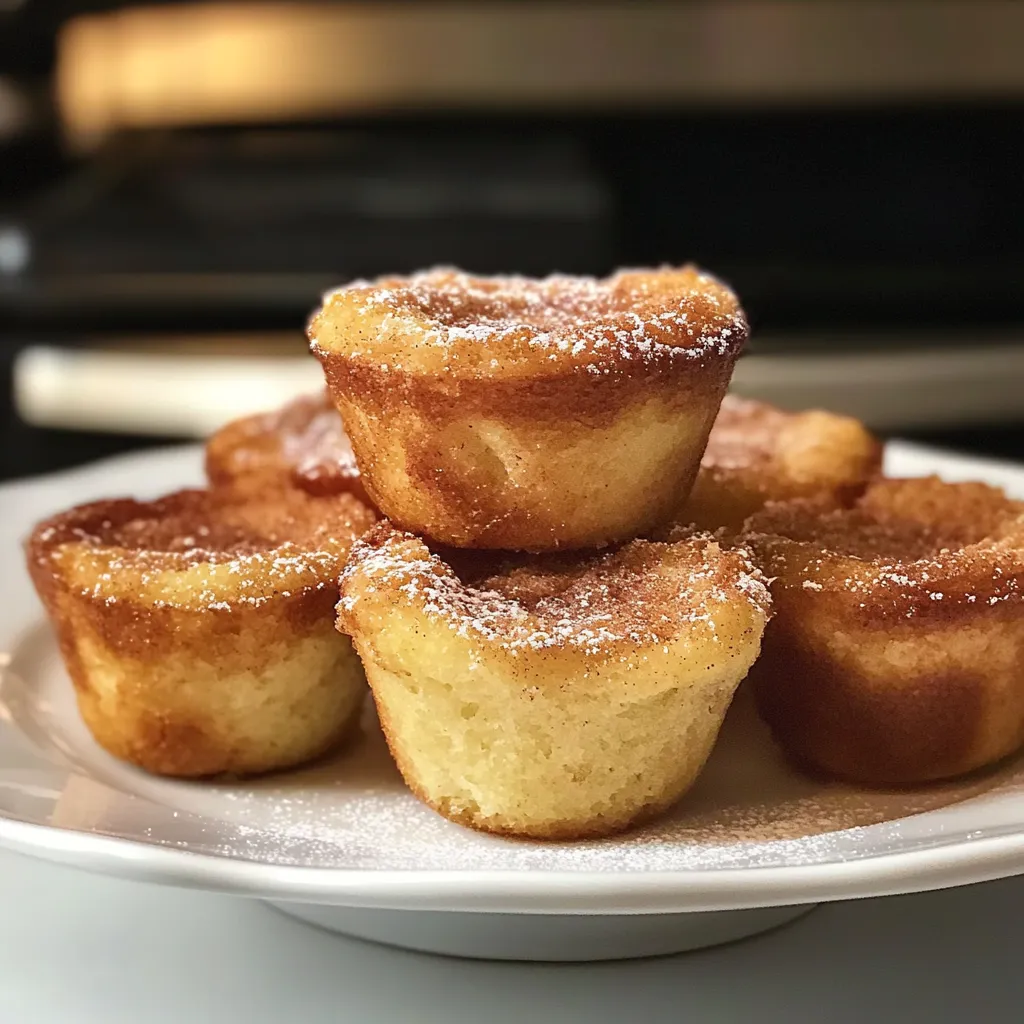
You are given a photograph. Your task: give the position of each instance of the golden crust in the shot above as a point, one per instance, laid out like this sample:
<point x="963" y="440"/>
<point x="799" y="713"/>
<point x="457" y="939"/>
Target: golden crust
<point x="757" y="454"/>
<point x="896" y="650"/>
<point x="534" y="415"/>
<point x="301" y="445"/>
<point x="197" y="630"/>
<point x="444" y="323"/>
<point x="558" y="697"/>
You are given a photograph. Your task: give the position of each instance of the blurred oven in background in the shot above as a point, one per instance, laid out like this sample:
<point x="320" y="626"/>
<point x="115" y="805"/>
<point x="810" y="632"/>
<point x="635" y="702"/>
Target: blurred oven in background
<point x="179" y="183"/>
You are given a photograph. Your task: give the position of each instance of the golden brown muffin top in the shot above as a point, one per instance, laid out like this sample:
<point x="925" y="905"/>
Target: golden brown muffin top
<point x="805" y="446"/>
<point x="915" y="549"/>
<point x="303" y="444"/>
<point x="444" y="321"/>
<point x="198" y="549"/>
<point x="643" y="593"/>
<point x="745" y="434"/>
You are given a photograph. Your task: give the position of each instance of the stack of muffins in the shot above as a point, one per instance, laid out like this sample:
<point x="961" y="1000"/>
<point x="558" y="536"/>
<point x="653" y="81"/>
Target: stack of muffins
<point x="550" y="545"/>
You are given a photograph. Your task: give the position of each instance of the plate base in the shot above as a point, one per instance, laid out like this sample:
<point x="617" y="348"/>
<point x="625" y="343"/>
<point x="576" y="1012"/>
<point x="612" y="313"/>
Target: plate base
<point x="543" y="936"/>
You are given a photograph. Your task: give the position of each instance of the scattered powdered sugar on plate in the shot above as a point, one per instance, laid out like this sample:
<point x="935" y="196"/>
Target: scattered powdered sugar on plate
<point x="749" y="809"/>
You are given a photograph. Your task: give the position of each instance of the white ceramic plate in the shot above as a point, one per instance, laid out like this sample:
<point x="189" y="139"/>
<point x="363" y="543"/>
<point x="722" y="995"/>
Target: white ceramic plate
<point x="347" y="834"/>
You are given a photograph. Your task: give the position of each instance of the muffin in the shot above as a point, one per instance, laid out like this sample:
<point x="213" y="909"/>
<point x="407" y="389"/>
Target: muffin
<point x="561" y="698"/>
<point x="198" y="631"/>
<point x="302" y="445"/>
<point x="757" y="453"/>
<point x="529" y="414"/>
<point x="896" y="653"/>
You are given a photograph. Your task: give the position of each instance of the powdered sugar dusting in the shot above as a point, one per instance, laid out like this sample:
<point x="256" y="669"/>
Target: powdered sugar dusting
<point x="908" y="549"/>
<point x="200" y="550"/>
<point x="643" y="594"/>
<point x="595" y="325"/>
<point x="749" y="809"/>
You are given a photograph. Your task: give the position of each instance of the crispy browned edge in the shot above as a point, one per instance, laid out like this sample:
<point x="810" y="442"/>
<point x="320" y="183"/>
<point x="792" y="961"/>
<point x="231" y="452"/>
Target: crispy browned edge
<point x="839" y="721"/>
<point x="595" y="399"/>
<point x="836" y="721"/>
<point x="265" y="434"/>
<point x="577" y="398"/>
<point x="761" y="422"/>
<point x="144" y="634"/>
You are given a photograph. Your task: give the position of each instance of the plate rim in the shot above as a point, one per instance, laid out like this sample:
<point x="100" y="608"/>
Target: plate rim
<point x="925" y="868"/>
<point x="551" y="892"/>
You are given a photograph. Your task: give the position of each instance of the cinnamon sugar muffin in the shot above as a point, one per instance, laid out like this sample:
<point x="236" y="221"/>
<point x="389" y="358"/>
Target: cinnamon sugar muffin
<point x="560" y="698"/>
<point x="198" y="631"/>
<point x="301" y="445"/>
<point x="896" y="653"/>
<point x="757" y="453"/>
<point x="529" y="414"/>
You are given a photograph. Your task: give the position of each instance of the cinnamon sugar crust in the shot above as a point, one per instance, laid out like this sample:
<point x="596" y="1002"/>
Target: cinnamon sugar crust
<point x="919" y="551"/>
<point x="445" y="322"/>
<point x="198" y="551"/>
<point x="597" y="603"/>
<point x="895" y="653"/>
<point x="301" y="445"/>
<point x="757" y="453"/>
<point x="197" y="629"/>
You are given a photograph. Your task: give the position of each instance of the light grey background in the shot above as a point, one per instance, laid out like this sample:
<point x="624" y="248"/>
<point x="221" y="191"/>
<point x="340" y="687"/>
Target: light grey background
<point x="77" y="949"/>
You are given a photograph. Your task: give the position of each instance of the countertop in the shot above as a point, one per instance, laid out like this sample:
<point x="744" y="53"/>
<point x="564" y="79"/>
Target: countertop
<point x="77" y="949"/>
